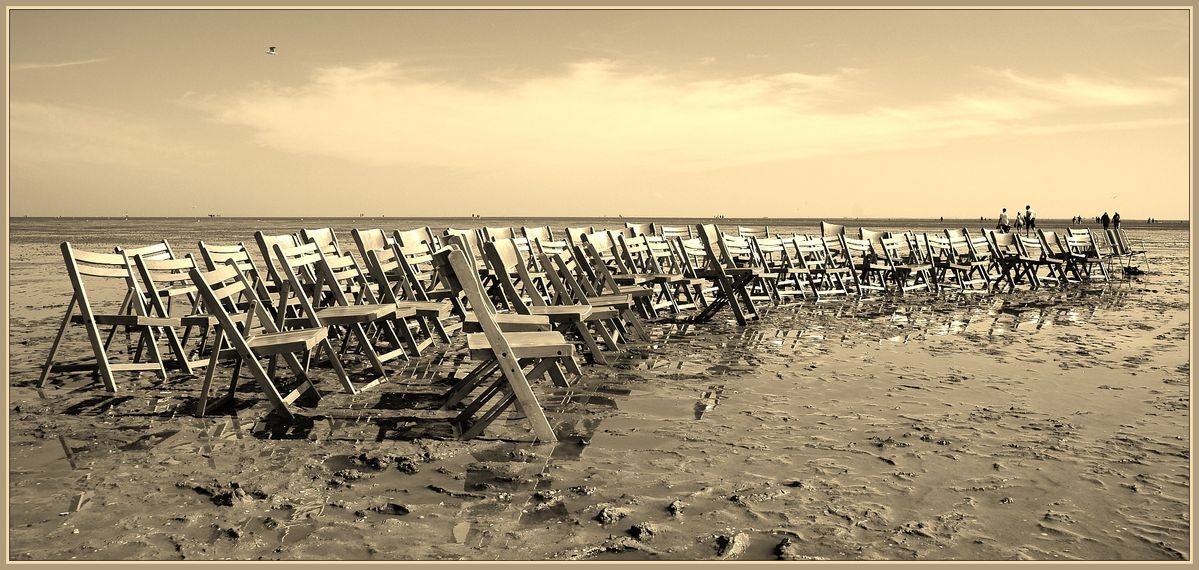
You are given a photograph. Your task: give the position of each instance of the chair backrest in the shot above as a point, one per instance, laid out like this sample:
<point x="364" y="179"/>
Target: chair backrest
<point x="662" y="254"/>
<point x="492" y="234"/>
<point x="420" y="235"/>
<point x="217" y="289"/>
<point x="471" y="241"/>
<point x="692" y="255"/>
<point x="217" y="255"/>
<point x="875" y="239"/>
<point x="1030" y="247"/>
<point x="896" y="250"/>
<point x="168" y="279"/>
<point x="640" y="229"/>
<point x="831" y="230"/>
<point x="858" y="252"/>
<point x="745" y="231"/>
<point x="390" y="276"/>
<point x="266" y="245"/>
<point x="716" y="255"/>
<point x="676" y="232"/>
<point x="1002" y="244"/>
<point x="324" y="237"/>
<point x="1081" y="244"/>
<point x="942" y="249"/>
<point x="453" y="267"/>
<point x="537" y="233"/>
<point x="510" y="269"/>
<point x="811" y="252"/>
<point x="370" y="239"/>
<point x="1051" y="242"/>
<point x="775" y="251"/>
<point x="737" y="250"/>
<point x="574" y="236"/>
<point x="634" y="251"/>
<point x="160" y="250"/>
<point x="110" y="266"/>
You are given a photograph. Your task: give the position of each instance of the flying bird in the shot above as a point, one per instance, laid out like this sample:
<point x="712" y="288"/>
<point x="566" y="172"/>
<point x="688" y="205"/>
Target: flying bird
<point x="271" y="51"/>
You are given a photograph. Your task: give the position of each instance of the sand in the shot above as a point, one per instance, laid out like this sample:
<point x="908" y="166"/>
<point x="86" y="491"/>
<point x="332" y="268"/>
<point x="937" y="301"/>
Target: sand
<point x="1036" y="425"/>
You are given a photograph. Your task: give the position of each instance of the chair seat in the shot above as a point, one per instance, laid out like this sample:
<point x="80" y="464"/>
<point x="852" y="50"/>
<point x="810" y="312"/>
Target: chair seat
<point x="560" y="312"/>
<point x="509" y="322"/>
<point x="429" y="308"/>
<point x="610" y="300"/>
<point x="360" y="314"/>
<point x="546" y="344"/>
<point x="129" y="320"/>
<point x="635" y="290"/>
<point x="286" y="341"/>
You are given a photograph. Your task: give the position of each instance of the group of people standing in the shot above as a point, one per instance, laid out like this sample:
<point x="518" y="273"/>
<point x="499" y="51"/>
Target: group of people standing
<point x="1026" y="220"/>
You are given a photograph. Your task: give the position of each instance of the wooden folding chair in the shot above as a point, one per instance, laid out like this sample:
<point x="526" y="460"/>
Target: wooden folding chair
<point x="266" y="244"/>
<point x="945" y="262"/>
<point x="170" y="292"/>
<point x="1052" y="246"/>
<point x="523" y="296"/>
<point x="825" y="275"/>
<point x="396" y="279"/>
<point x="1013" y="268"/>
<point x="738" y="251"/>
<point x="1121" y="250"/>
<point x="1085" y="256"/>
<point x="596" y="285"/>
<point x="321" y="282"/>
<point x="249" y="330"/>
<point x="779" y="256"/>
<point x="903" y="264"/>
<point x="508" y="353"/>
<point x="642" y="255"/>
<point x="111" y="266"/>
<point x="863" y="266"/>
<point x="598" y="255"/>
<point x="1127" y="247"/>
<point x="217" y="255"/>
<point x="1034" y="254"/>
<point x="733" y="281"/>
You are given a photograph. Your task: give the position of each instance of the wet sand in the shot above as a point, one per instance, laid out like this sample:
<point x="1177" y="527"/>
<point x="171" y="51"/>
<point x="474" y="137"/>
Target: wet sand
<point x="1036" y="425"/>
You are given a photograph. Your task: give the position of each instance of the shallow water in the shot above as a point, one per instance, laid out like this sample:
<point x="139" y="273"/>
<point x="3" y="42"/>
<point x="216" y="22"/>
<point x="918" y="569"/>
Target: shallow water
<point x="1034" y="425"/>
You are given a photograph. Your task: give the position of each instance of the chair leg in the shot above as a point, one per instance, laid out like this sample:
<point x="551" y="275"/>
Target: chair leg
<point x="62" y="329"/>
<point x="202" y="404"/>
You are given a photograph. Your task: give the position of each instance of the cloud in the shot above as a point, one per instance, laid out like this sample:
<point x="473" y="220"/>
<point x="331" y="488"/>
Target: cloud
<point x="28" y="66"/>
<point x="69" y="137"/>
<point x="597" y="116"/>
<point x="1074" y="90"/>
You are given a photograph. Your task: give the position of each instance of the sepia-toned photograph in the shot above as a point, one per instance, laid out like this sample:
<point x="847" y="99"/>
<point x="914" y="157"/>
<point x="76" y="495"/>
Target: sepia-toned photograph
<point x="598" y="283"/>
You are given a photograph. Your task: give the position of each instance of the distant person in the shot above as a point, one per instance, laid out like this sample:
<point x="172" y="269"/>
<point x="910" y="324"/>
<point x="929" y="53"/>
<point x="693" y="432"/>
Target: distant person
<point x="1105" y="220"/>
<point x="1115" y="221"/>
<point x="1030" y="219"/>
<point x="1004" y="223"/>
<point x="1019" y="221"/>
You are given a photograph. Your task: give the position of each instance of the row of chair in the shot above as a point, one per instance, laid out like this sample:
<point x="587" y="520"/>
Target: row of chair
<point x="527" y="302"/>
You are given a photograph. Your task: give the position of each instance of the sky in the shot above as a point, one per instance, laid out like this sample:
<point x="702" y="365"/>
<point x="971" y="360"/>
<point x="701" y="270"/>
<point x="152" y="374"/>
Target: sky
<point x="741" y="113"/>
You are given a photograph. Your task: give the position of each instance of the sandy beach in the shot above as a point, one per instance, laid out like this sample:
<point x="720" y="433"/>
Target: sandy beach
<point x="1036" y="425"/>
